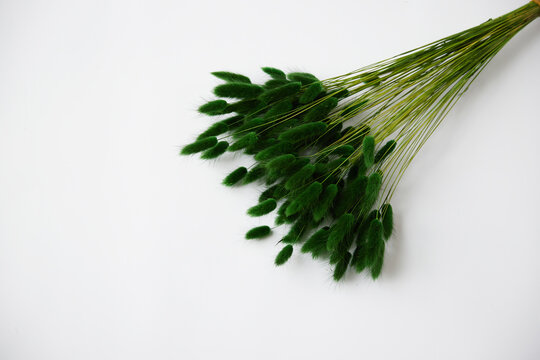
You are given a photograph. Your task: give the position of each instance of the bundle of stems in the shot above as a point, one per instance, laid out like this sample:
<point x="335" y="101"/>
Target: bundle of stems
<point x="331" y="153"/>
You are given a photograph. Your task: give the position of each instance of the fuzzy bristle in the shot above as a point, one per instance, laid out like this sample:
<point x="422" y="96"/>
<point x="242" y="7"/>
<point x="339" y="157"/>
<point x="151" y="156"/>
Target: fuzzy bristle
<point x="215" y="129"/>
<point x="303" y="132"/>
<point x="326" y="200"/>
<point x="262" y="208"/>
<point x="258" y="232"/>
<point x="368" y="148"/>
<point x="387" y="220"/>
<point x="385" y="151"/>
<point x="199" y="145"/>
<point x="306" y="199"/>
<point x="280" y="92"/>
<point x="341" y="266"/>
<point x="238" y="90"/>
<point x="284" y="255"/>
<point x="372" y="191"/>
<point x="255" y="174"/>
<point x="231" y="77"/>
<point x="274" y="73"/>
<point x="321" y="111"/>
<point x="304" y="78"/>
<point x="215" y="151"/>
<point x="316" y="244"/>
<point x="311" y="93"/>
<point x="215" y="107"/>
<point x="300" y="177"/>
<point x="235" y="176"/>
<point x="248" y="139"/>
<point x="339" y="231"/>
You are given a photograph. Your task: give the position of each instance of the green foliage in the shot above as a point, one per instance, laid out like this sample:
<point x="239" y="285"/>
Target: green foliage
<point x="234" y="121"/>
<point x="304" y="78"/>
<point x="274" y="73"/>
<point x="385" y="151"/>
<point x="268" y="193"/>
<point x="248" y="139"/>
<point x="311" y="93"/>
<point x="199" y="145"/>
<point x="215" y="150"/>
<point x="280" y="92"/>
<point x="231" y="77"/>
<point x="215" y="107"/>
<point x="343" y="150"/>
<point x="339" y="231"/>
<point x="303" y="132"/>
<point x="375" y="247"/>
<point x="235" y="176"/>
<point x="262" y="208"/>
<point x="284" y="255"/>
<point x="321" y="111"/>
<point x="258" y="232"/>
<point x="300" y="177"/>
<point x="215" y="129"/>
<point x="387" y="220"/>
<point x="368" y="148"/>
<point x="238" y="90"/>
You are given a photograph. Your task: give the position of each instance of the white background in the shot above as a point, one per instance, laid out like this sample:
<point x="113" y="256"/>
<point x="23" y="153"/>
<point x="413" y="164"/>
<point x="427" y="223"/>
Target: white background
<point x="114" y="247"/>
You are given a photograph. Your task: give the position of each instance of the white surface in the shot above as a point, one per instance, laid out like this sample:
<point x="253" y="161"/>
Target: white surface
<point x="114" y="247"/>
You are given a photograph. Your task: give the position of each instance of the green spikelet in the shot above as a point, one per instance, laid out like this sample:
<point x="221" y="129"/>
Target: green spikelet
<point x="280" y="192"/>
<point x="255" y="174"/>
<point x="234" y="121"/>
<point x="274" y="73"/>
<point x="304" y="78"/>
<point x="199" y="145"/>
<point x="326" y="200"/>
<point x="278" y="109"/>
<point x="377" y="265"/>
<point x="300" y="177"/>
<point x="364" y="226"/>
<point x="353" y="109"/>
<point x="254" y="124"/>
<point x="311" y="93"/>
<point x="351" y="195"/>
<point x="284" y="255"/>
<point x="231" y="77"/>
<point x="280" y="92"/>
<point x="215" y="129"/>
<point x="238" y="90"/>
<point x="258" y="232"/>
<point x="272" y="151"/>
<point x="303" y="132"/>
<point x="262" y="208"/>
<point x="316" y="244"/>
<point x="385" y="151"/>
<point x="320" y="111"/>
<point x="387" y="220"/>
<point x="281" y="162"/>
<point x="267" y="194"/>
<point x="298" y="229"/>
<point x="248" y="139"/>
<point x="215" y="151"/>
<point x="235" y="176"/>
<point x="341" y="266"/>
<point x="215" y="107"/>
<point x="274" y="83"/>
<point x="306" y="199"/>
<point x="343" y="150"/>
<point x="340" y="93"/>
<point x="372" y="191"/>
<point x="374" y="239"/>
<point x="339" y="231"/>
<point x="244" y="106"/>
<point x="368" y="148"/>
